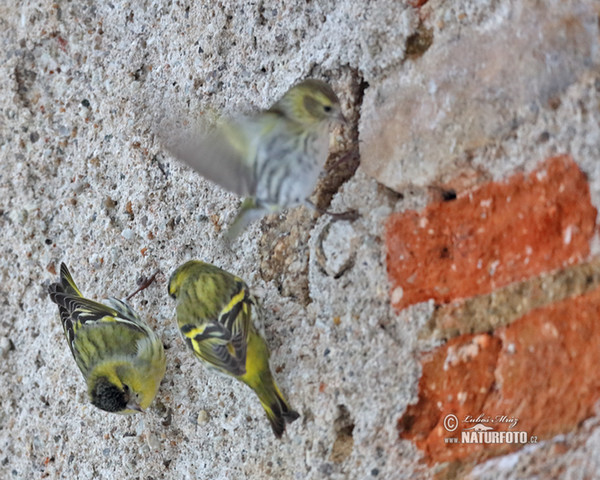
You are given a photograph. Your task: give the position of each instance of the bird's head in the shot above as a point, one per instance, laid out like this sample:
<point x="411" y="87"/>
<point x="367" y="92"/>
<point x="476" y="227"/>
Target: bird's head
<point x="117" y="390"/>
<point x="182" y="274"/>
<point x="310" y="103"/>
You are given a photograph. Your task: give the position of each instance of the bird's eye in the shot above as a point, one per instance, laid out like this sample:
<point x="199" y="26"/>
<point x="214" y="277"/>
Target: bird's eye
<point x="125" y="388"/>
<point x="327" y="108"/>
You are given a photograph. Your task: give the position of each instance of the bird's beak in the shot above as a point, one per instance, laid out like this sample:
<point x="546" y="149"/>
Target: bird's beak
<point x="342" y="119"/>
<point x="135" y="406"/>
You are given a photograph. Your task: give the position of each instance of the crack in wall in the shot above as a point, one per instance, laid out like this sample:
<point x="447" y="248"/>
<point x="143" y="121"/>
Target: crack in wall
<point x="345" y="157"/>
<point x="283" y="246"/>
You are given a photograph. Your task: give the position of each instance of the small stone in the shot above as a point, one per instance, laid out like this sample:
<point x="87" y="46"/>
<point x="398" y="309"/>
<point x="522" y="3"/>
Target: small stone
<point x="397" y="294"/>
<point x="6" y="345"/>
<point x="20" y="217"/>
<point x="95" y="261"/>
<point x="153" y="441"/>
<point x="337" y="248"/>
<point x="203" y="417"/>
<point x="127" y="234"/>
<point x="109" y="203"/>
<point x="80" y="186"/>
<point x="326" y="469"/>
<point x="139" y="429"/>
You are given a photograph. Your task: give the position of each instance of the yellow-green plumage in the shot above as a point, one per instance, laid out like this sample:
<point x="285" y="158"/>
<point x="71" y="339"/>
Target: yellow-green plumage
<point x="214" y="314"/>
<point x="273" y="158"/>
<point x="119" y="355"/>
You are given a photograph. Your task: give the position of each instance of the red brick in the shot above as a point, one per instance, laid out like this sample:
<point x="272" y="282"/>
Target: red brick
<point x="498" y="234"/>
<point x="542" y="369"/>
<point x="444" y="377"/>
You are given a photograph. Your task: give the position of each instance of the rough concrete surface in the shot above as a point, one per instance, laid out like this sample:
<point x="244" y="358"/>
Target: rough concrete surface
<point x="83" y="179"/>
<point x="475" y="88"/>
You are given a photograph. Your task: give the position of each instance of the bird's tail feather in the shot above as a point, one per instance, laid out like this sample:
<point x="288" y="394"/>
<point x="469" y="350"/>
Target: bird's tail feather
<point x="64" y="292"/>
<point x="67" y="282"/>
<point x="278" y="410"/>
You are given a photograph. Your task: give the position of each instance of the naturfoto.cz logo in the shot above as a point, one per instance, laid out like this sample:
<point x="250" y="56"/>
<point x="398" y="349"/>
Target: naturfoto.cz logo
<point x="479" y="430"/>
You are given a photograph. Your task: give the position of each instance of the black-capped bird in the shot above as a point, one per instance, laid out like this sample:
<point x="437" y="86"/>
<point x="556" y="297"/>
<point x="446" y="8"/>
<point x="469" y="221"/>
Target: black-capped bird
<point x="120" y="356"/>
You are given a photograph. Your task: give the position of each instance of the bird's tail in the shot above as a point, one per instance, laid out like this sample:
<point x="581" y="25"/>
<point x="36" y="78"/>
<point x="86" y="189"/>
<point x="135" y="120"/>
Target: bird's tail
<point x="278" y="410"/>
<point x="66" y="284"/>
<point x="63" y="292"/>
<point x="249" y="212"/>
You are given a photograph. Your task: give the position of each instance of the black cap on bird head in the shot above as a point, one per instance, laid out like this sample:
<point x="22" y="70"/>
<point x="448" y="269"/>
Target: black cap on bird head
<point x="108" y="397"/>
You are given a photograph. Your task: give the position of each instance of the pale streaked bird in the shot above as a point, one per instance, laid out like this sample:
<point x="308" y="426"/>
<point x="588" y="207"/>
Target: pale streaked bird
<point x="273" y="158"/>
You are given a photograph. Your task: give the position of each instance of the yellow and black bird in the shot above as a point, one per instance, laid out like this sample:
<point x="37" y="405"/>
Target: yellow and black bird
<point x="120" y="356"/>
<point x="214" y="313"/>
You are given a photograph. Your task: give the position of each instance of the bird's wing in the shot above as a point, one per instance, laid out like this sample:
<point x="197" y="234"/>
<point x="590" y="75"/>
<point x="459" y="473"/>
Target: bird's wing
<point x="222" y="342"/>
<point x="236" y="318"/>
<point x="77" y="312"/>
<point x="221" y="157"/>
<point x="227" y="155"/>
<point x="213" y="344"/>
<point x="84" y="312"/>
<point x="126" y="314"/>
